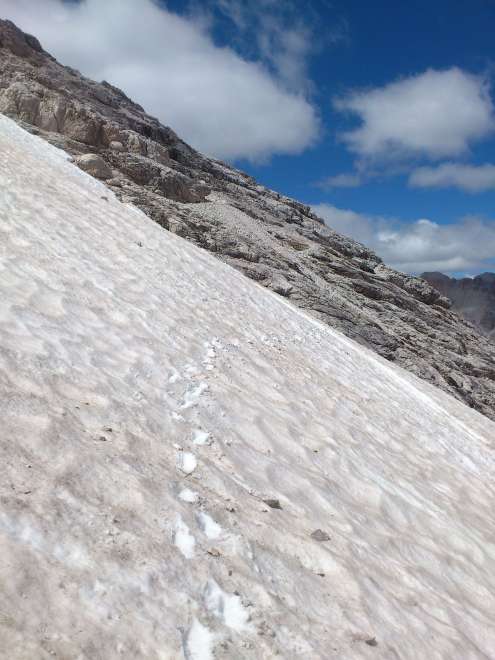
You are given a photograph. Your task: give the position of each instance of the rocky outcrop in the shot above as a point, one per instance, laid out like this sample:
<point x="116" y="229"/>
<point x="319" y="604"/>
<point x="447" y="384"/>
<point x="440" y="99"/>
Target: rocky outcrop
<point x="472" y="297"/>
<point x="271" y="238"/>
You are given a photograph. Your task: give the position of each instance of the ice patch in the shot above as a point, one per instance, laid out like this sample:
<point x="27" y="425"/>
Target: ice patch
<point x="226" y="607"/>
<point x="201" y="437"/>
<point x="198" y="644"/>
<point x="188" y="495"/>
<point x="211" y="528"/>
<point x="186" y="462"/>
<point x="183" y="538"/>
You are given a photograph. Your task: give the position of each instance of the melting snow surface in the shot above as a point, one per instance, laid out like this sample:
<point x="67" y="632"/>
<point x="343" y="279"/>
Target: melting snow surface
<point x="109" y="322"/>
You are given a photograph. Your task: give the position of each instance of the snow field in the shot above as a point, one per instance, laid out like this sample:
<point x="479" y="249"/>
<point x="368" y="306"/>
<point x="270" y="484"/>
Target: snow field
<point x="152" y="398"/>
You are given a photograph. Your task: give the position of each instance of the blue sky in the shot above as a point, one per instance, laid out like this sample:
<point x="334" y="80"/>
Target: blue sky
<point x="380" y="115"/>
<point x="386" y="41"/>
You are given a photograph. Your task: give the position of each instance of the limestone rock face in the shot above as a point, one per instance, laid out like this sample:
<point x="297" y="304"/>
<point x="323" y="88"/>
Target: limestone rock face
<point x="274" y="240"/>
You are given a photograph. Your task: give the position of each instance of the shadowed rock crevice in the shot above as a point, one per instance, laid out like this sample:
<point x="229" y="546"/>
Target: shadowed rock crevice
<point x="274" y="240"/>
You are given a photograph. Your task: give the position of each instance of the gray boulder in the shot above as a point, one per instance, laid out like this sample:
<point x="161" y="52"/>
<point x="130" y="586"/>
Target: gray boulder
<point x="94" y="165"/>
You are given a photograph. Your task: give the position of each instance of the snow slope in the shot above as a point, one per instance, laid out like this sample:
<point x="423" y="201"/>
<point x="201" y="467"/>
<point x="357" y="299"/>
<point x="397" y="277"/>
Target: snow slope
<point x="152" y="398"/>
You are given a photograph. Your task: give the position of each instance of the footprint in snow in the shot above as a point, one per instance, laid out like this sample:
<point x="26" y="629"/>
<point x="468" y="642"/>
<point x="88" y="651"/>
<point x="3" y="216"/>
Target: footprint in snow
<point x="201" y="437"/>
<point x="192" y="395"/>
<point x="208" y="526"/>
<point x="186" y="462"/>
<point x="183" y="539"/>
<point x="189" y="496"/>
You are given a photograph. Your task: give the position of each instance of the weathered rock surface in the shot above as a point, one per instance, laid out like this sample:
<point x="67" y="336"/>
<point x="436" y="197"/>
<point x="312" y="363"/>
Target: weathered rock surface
<point x="472" y="297"/>
<point x="272" y="239"/>
<point x="95" y="165"/>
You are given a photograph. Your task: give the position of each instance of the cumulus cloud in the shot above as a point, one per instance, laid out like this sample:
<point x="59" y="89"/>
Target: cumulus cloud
<point x="219" y="102"/>
<point x="471" y="178"/>
<point x="424" y="245"/>
<point x="435" y="114"/>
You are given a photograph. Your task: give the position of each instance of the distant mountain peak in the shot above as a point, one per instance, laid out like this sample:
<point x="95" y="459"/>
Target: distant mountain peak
<point x="473" y="297"/>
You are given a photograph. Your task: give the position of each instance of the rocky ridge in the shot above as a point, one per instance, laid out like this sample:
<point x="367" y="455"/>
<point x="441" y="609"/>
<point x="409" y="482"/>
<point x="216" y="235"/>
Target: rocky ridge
<point x="272" y="239"/>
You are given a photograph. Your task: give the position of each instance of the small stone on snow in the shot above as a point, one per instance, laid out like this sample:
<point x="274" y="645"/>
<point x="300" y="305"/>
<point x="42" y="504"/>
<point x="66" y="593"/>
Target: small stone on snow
<point x="320" y="535"/>
<point x="273" y="504"/>
<point x="371" y="641"/>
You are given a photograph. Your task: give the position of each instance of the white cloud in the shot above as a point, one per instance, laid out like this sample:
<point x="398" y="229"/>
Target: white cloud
<point x="276" y="34"/>
<point x="220" y="103"/>
<point x="288" y="49"/>
<point x="435" y="114"/>
<point x="471" y="178"/>
<point x="282" y="34"/>
<point x="344" y="180"/>
<point x="424" y="245"/>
